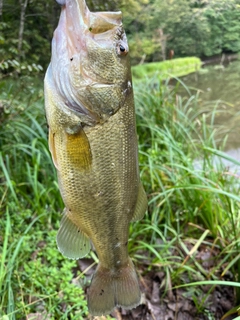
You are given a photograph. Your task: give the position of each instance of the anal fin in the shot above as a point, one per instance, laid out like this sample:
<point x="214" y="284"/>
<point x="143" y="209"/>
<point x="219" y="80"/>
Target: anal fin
<point x="71" y="241"/>
<point x="141" y="205"/>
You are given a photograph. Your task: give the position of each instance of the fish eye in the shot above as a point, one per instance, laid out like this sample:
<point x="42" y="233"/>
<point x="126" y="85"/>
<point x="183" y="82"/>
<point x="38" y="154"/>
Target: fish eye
<point x="122" y="50"/>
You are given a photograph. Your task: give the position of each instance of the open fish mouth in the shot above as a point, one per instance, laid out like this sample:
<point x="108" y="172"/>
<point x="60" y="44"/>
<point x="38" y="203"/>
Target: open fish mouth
<point x="90" y="64"/>
<point x="77" y="22"/>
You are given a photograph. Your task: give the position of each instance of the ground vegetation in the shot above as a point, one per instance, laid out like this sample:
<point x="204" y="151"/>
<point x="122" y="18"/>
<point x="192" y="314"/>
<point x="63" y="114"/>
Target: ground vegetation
<point x="186" y="249"/>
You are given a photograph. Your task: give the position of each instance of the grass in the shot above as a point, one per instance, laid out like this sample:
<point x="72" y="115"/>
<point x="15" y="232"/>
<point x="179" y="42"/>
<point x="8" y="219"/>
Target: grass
<point x="34" y="276"/>
<point x="191" y="205"/>
<point x="177" y="67"/>
<point x="187" y="202"/>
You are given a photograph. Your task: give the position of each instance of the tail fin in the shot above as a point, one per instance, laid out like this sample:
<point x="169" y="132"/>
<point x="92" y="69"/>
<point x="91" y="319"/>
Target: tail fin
<point x="113" y="288"/>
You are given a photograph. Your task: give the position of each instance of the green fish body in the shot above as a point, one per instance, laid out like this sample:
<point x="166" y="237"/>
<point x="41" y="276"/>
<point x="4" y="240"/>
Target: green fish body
<point x="92" y="138"/>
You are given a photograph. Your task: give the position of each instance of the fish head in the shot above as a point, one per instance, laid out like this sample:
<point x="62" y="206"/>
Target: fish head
<point x="90" y="61"/>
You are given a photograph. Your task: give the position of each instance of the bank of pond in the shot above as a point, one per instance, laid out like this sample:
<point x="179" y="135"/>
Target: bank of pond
<point x="175" y="67"/>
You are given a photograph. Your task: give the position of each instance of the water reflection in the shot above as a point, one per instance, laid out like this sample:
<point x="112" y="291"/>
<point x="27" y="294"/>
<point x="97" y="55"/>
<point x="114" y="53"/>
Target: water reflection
<point x="230" y="166"/>
<point x="219" y="85"/>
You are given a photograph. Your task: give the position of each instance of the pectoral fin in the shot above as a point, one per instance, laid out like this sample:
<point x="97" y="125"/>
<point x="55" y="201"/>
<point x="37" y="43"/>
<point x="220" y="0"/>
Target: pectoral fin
<point x="141" y="205"/>
<point x="74" y="145"/>
<point x="78" y="150"/>
<point x="71" y="241"/>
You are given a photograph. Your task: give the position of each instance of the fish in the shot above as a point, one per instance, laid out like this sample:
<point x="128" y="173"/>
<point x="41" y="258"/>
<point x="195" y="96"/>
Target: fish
<point x="90" y="112"/>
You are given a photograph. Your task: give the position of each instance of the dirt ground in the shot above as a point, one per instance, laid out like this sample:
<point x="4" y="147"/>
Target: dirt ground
<point x="189" y="303"/>
<point x="179" y="305"/>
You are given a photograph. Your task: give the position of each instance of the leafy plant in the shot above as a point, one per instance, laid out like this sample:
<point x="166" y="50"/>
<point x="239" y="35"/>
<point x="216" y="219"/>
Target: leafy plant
<point x="193" y="202"/>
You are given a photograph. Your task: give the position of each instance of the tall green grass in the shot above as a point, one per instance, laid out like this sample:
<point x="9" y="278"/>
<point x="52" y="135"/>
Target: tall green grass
<point x="190" y="204"/>
<point x="24" y="157"/>
<point x="176" y="153"/>
<point x="34" y="276"/>
<point x="192" y="197"/>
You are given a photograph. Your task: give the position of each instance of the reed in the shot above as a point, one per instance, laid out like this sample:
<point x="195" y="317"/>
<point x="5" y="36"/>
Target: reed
<point x="193" y="201"/>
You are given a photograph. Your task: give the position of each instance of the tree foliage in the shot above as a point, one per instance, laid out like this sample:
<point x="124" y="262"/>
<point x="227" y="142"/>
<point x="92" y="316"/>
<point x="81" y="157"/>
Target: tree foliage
<point x="31" y="50"/>
<point x="190" y="27"/>
<point x="187" y="27"/>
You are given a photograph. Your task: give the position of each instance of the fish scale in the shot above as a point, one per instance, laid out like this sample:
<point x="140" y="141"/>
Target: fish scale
<point x="117" y="196"/>
<point x="92" y="138"/>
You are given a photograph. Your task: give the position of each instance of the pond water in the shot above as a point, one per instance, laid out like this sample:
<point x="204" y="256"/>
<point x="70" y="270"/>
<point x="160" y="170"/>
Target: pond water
<point x="219" y="85"/>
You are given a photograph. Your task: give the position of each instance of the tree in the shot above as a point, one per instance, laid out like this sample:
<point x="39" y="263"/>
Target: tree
<point x="1" y="7"/>
<point x="153" y="27"/>
<point x="26" y="31"/>
<point x="23" y="6"/>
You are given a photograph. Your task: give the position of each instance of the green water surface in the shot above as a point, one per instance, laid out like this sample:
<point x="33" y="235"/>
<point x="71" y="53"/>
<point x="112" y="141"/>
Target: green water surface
<point x="219" y="85"/>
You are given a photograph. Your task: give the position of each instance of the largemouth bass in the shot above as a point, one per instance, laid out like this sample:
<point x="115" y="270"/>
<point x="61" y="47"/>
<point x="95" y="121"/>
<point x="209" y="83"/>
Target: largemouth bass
<point x="92" y="138"/>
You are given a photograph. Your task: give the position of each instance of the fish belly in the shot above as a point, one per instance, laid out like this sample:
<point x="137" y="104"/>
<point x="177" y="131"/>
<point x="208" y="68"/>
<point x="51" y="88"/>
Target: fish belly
<point x="100" y="186"/>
